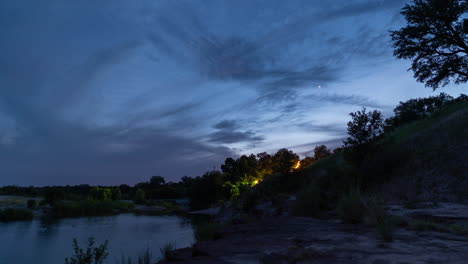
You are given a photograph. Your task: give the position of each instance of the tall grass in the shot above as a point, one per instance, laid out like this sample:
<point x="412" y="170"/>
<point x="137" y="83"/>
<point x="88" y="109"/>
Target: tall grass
<point x="351" y="207"/>
<point x="166" y="251"/>
<point x="383" y="222"/>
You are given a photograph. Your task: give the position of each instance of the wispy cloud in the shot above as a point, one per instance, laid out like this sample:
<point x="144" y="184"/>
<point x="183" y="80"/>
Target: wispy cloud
<point x="115" y="91"/>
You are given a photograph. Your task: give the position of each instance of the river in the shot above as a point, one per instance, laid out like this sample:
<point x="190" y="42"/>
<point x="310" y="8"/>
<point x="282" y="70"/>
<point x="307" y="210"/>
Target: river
<point x="39" y="242"/>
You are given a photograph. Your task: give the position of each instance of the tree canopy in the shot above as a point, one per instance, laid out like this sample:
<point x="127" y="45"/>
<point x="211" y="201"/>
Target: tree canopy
<point x="436" y="40"/>
<point x="364" y="127"/>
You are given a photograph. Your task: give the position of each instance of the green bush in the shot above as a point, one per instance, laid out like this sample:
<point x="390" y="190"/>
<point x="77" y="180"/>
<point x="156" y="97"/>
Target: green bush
<point x="351" y="208"/>
<point x="12" y="214"/>
<point x="90" y="255"/>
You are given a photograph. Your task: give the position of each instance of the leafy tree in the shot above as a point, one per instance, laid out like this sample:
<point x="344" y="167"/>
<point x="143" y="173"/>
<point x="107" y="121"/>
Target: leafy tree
<point x="307" y="161"/>
<point x="139" y="197"/>
<point x="436" y="40"/>
<point x="90" y="255"/>
<point x="284" y="160"/>
<point x="264" y="164"/>
<point x="337" y="150"/>
<point x="241" y="169"/>
<point x="416" y="109"/>
<point x="156" y="181"/>
<point x="53" y="195"/>
<point x="364" y="127"/>
<point x="206" y="190"/>
<point x="321" y="152"/>
<point x="101" y="193"/>
<point x="116" y="194"/>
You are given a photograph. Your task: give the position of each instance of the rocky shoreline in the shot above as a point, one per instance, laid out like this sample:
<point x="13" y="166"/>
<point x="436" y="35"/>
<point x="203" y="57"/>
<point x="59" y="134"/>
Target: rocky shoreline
<point x="287" y="239"/>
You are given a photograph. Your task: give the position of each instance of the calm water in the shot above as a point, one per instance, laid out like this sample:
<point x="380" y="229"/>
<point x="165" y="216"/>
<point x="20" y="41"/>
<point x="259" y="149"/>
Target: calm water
<point x="37" y="242"/>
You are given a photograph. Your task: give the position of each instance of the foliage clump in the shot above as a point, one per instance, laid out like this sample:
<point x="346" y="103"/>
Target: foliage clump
<point x="13" y="214"/>
<point x="90" y="255"/>
<point x="351" y="207"/>
<point x="435" y="40"/>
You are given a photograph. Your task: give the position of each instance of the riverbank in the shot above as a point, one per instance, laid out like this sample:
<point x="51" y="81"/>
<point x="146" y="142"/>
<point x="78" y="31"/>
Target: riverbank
<point x="431" y="233"/>
<point x="85" y="207"/>
<point x="305" y="240"/>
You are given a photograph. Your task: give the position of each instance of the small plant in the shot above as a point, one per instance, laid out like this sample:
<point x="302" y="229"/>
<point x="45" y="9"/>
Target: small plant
<point x="384" y="223"/>
<point x="166" y="251"/>
<point x="144" y="258"/>
<point x="90" y="255"/>
<point x="351" y="207"/>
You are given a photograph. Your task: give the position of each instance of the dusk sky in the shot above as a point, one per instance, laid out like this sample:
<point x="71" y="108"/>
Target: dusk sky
<point x="116" y="91"/>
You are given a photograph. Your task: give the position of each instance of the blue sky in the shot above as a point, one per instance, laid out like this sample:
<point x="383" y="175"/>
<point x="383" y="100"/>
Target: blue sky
<point x="115" y="91"/>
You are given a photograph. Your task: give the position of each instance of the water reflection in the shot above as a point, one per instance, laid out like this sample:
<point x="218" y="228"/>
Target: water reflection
<point x="50" y="241"/>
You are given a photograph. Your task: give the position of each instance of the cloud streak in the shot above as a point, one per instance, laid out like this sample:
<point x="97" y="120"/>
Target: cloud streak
<point x="110" y="92"/>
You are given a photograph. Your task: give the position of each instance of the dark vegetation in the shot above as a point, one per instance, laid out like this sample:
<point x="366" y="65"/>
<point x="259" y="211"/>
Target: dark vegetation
<point x="13" y="214"/>
<point x="97" y="254"/>
<point x="435" y="39"/>
<point x="90" y="208"/>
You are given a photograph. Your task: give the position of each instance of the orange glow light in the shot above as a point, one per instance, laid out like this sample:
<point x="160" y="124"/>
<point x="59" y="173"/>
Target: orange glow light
<point x="298" y="164"/>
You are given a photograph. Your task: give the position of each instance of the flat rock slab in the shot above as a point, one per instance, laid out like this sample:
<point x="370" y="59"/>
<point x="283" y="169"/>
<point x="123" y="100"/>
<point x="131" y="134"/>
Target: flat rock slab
<point x="440" y="210"/>
<point x="306" y="240"/>
<point x="210" y="211"/>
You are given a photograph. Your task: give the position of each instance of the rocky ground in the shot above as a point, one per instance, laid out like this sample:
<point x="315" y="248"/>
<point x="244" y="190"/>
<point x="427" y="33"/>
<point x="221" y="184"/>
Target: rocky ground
<point x="289" y="239"/>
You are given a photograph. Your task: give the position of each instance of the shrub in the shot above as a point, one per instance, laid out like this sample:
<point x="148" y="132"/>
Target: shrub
<point x="139" y="197"/>
<point x="384" y="223"/>
<point x="12" y="214"/>
<point x="208" y="231"/>
<point x="90" y="255"/>
<point x="351" y="208"/>
<point x="166" y="251"/>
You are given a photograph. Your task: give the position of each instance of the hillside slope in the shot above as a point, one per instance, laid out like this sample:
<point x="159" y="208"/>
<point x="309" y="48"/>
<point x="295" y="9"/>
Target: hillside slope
<point x="426" y="160"/>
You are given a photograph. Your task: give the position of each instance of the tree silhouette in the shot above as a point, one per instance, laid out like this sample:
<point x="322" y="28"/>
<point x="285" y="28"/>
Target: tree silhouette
<point x="321" y="152"/>
<point x="435" y="39"/>
<point x="284" y="160"/>
<point x="364" y="127"/>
